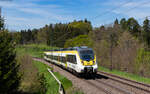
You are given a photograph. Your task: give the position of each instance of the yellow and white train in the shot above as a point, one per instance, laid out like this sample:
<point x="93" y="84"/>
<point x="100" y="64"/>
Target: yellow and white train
<point x="77" y="59"/>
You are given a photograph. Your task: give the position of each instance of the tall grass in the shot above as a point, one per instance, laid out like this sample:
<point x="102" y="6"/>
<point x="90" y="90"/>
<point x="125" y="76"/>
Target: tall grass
<point x="31" y="81"/>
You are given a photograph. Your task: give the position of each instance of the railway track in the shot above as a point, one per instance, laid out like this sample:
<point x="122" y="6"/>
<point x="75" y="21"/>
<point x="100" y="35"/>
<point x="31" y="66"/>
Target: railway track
<point x="128" y="82"/>
<point x="99" y="87"/>
<point x="106" y="83"/>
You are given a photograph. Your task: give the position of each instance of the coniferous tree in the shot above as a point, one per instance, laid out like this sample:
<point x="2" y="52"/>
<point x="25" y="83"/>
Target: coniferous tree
<point x="9" y="76"/>
<point x="116" y="22"/>
<point x="1" y="23"/>
<point x="123" y="23"/>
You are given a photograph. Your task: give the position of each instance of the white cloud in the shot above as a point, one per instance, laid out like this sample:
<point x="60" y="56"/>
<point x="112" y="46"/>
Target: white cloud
<point x="138" y="4"/>
<point x="8" y="4"/>
<point x="27" y="13"/>
<point x="137" y="9"/>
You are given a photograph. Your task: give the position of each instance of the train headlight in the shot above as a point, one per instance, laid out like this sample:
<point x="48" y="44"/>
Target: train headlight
<point x="93" y="62"/>
<point x="82" y="62"/>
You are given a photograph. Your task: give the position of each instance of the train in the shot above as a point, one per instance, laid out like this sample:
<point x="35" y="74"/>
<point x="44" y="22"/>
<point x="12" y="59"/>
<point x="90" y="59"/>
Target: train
<point x="80" y="60"/>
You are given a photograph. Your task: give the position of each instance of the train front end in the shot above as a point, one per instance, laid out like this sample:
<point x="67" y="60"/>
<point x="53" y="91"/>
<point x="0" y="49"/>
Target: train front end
<point x="87" y="61"/>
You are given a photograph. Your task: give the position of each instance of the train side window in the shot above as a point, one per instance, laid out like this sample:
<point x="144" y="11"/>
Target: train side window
<point x="62" y="59"/>
<point x="71" y="59"/>
<point x="50" y="56"/>
<point x="56" y="58"/>
<point x="45" y="54"/>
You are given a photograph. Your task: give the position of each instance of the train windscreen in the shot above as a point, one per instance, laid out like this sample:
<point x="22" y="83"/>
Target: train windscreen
<point x="86" y="52"/>
<point x="87" y="55"/>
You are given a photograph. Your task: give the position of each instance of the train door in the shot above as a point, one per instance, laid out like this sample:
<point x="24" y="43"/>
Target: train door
<point x="72" y="61"/>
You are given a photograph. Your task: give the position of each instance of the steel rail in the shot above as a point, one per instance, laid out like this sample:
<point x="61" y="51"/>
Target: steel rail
<point x="98" y="87"/>
<point x="115" y="87"/>
<point x="125" y="79"/>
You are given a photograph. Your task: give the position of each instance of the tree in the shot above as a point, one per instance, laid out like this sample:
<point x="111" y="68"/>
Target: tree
<point x="42" y="37"/>
<point x="133" y="27"/>
<point x="9" y="76"/>
<point x="1" y="23"/>
<point x="116" y="22"/>
<point x="123" y="23"/>
<point x="49" y="34"/>
<point x="85" y="20"/>
<point x="102" y="28"/>
<point x="81" y="27"/>
<point x="16" y="37"/>
<point x="146" y="32"/>
<point x="126" y="52"/>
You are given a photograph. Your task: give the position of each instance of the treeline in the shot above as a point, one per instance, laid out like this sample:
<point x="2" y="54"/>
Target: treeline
<point x="57" y="34"/>
<point x="53" y="34"/>
<point x="141" y="32"/>
<point x="131" y="25"/>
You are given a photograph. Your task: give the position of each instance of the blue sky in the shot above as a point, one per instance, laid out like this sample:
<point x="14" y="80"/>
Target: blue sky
<point x="25" y="14"/>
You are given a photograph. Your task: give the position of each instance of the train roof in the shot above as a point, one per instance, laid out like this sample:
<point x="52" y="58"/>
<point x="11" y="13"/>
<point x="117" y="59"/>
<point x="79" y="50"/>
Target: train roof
<point x="72" y="48"/>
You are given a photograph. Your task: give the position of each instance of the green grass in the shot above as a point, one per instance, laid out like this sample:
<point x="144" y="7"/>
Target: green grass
<point x="35" y="50"/>
<point x="126" y="75"/>
<point x="52" y="85"/>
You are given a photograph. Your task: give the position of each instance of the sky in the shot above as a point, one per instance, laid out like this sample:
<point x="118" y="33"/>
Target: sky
<point x="29" y="14"/>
